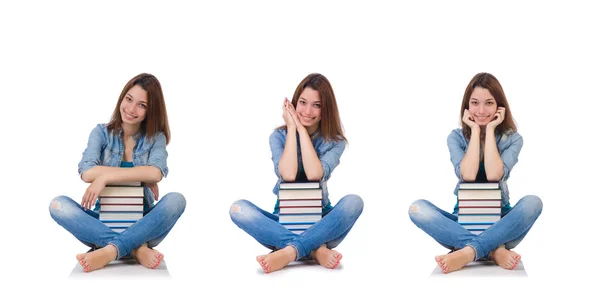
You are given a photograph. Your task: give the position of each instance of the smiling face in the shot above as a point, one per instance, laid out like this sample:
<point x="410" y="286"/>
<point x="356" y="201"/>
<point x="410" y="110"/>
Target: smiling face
<point x="134" y="105"/>
<point x="308" y="108"/>
<point x="482" y="106"/>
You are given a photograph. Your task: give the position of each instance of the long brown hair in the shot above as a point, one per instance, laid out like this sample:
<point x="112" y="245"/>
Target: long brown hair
<point x="156" y="120"/>
<point x="330" y="125"/>
<point x="489" y="82"/>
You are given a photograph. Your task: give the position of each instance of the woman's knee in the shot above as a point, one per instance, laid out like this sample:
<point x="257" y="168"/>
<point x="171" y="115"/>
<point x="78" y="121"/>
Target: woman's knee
<point x="353" y="202"/>
<point x="175" y="202"/>
<point x="241" y="209"/>
<point x="419" y="209"/>
<point x="532" y="204"/>
<point x="61" y="206"/>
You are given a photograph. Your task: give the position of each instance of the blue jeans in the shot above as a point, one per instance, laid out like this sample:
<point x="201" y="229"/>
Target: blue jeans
<point x="151" y="229"/>
<point x="330" y="230"/>
<point x="444" y="228"/>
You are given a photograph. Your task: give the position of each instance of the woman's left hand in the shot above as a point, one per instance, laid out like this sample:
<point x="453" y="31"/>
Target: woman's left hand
<point x="92" y="192"/>
<point x="154" y="188"/>
<point x="499" y="117"/>
<point x="292" y="110"/>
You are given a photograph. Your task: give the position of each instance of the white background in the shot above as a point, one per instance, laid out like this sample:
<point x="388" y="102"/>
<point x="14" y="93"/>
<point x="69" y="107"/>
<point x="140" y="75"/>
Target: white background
<point x="398" y="71"/>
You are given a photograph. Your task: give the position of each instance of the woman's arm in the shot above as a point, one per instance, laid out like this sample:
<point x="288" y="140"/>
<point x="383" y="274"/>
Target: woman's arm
<point x="287" y="163"/>
<point x="469" y="165"/>
<point x="310" y="159"/>
<point x="146" y="174"/>
<point x="494" y="168"/>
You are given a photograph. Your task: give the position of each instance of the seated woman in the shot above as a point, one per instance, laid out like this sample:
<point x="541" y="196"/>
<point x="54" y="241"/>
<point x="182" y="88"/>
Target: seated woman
<point x="307" y="148"/>
<point x="130" y="148"/>
<point x="485" y="149"/>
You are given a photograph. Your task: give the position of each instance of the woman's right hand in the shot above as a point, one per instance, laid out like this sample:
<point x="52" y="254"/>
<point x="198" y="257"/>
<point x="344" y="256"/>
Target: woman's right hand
<point x="287" y="116"/>
<point x="468" y="120"/>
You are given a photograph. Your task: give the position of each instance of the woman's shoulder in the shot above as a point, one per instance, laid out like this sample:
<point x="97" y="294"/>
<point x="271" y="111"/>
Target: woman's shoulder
<point x="510" y="137"/>
<point x="278" y="133"/>
<point x="457" y="134"/>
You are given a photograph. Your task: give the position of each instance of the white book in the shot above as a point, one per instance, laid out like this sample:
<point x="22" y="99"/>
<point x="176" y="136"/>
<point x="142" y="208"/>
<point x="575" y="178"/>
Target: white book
<point x="300" y="194"/>
<point x="479" y="203"/>
<point x="299" y="185"/>
<point x="299" y="218"/>
<point x="301" y="210"/>
<point x="106" y="216"/>
<point x="479" y="186"/>
<point x="122" y="200"/>
<point x="122" y="191"/>
<point x="122" y="208"/>
<point x="300" y="203"/>
<point x="478" y="218"/>
<point x="479" y="210"/>
<point x="118" y="224"/>
<point x="298" y="226"/>
<point x="495" y="194"/>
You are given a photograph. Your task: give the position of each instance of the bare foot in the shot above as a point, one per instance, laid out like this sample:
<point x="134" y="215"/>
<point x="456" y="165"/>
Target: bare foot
<point x="505" y="258"/>
<point x="439" y="258"/>
<point x="147" y="257"/>
<point x="326" y="257"/>
<point x="456" y="260"/>
<point x="97" y="259"/>
<point x="277" y="260"/>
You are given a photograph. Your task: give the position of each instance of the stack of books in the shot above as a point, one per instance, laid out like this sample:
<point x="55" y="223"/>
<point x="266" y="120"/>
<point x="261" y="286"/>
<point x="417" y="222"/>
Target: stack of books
<point x="121" y="205"/>
<point x="300" y="205"/>
<point x="479" y="205"/>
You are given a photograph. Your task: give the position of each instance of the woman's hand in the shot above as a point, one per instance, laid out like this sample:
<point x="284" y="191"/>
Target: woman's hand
<point x="499" y="117"/>
<point x="154" y="188"/>
<point x="469" y="120"/>
<point x="297" y="123"/>
<point x="287" y="116"/>
<point x="92" y="192"/>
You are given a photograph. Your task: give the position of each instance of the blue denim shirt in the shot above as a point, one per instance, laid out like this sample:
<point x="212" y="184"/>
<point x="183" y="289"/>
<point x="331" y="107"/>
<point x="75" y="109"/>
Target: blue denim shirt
<point x="509" y="146"/>
<point x="107" y="148"/>
<point x="329" y="152"/>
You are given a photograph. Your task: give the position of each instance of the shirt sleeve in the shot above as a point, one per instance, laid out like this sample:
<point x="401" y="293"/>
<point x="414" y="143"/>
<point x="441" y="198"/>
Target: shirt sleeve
<point x="277" y="143"/>
<point x="457" y="148"/>
<point x="510" y="155"/>
<point x="158" y="154"/>
<point x="331" y="159"/>
<point x="92" y="153"/>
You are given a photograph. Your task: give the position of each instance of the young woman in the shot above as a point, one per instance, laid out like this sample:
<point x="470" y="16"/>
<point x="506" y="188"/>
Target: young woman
<point x="307" y="148"/>
<point x="130" y="148"/>
<point x="485" y="149"/>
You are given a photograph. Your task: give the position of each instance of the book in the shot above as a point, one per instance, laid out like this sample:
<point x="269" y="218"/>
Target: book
<point x="130" y="184"/>
<point x="286" y="194"/>
<point x="121" y="207"/>
<point x="300" y="203"/>
<point x="115" y="200"/>
<point x="474" y="218"/>
<point x="467" y="185"/>
<point x="304" y="218"/>
<point x="122" y="191"/>
<point x="479" y="203"/>
<point x="493" y="194"/>
<point x="478" y="210"/>
<point x="301" y="210"/>
<point x="299" y="185"/>
<point x="109" y="216"/>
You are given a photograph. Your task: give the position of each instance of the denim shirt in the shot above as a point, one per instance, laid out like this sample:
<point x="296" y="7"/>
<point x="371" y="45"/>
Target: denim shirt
<point x="107" y="148"/>
<point x="329" y="153"/>
<point x="509" y="146"/>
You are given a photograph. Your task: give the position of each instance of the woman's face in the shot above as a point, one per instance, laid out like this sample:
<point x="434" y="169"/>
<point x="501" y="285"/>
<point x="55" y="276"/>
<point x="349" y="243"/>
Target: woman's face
<point x="482" y="106"/>
<point x="133" y="107"/>
<point x="308" y="107"/>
